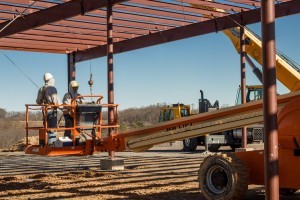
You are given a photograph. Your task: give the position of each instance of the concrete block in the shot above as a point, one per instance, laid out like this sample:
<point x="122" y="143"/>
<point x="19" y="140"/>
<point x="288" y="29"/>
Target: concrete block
<point x="243" y="149"/>
<point x="115" y="164"/>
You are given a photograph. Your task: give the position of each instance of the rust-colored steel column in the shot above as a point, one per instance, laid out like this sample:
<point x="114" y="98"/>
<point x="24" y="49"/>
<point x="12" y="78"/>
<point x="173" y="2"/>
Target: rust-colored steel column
<point x="71" y="67"/>
<point x="243" y="80"/>
<point x="270" y="100"/>
<point x="110" y="68"/>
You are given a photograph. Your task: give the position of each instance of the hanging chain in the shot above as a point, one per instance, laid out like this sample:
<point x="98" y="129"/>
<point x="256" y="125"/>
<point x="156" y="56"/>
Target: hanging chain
<point x="91" y="82"/>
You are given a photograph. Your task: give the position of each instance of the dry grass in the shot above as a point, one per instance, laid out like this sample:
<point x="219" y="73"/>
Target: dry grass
<point x="10" y="136"/>
<point x="13" y="131"/>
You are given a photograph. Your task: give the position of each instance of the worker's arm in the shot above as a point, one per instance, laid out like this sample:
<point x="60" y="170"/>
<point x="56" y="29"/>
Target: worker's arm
<point x="39" y="97"/>
<point x="67" y="99"/>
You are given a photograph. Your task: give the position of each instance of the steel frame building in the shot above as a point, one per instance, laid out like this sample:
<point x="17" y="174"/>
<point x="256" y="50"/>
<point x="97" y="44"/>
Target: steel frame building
<point x="87" y="29"/>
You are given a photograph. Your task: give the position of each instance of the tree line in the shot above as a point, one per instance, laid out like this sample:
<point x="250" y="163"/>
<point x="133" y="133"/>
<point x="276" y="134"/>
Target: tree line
<point x="19" y="116"/>
<point x="12" y="123"/>
<point x="128" y="118"/>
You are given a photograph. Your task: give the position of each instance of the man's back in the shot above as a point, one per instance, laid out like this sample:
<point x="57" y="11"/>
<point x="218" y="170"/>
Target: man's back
<point x="47" y="95"/>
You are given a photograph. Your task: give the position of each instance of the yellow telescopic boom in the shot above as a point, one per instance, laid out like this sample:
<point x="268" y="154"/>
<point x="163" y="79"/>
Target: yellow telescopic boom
<point x="286" y="73"/>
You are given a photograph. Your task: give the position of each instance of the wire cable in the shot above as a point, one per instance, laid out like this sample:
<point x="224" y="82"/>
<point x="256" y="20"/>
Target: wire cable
<point x="14" y="64"/>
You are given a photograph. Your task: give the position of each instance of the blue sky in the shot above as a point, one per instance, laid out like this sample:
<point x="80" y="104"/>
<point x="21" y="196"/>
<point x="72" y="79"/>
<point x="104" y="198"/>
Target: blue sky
<point x="167" y="73"/>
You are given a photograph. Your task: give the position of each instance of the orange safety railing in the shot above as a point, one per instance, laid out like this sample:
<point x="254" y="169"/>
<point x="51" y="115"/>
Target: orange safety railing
<point x="76" y="109"/>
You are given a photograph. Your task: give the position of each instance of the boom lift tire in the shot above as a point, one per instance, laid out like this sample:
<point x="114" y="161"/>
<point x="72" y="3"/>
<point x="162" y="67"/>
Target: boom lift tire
<point x="223" y="177"/>
<point x="287" y="191"/>
<point x="213" y="147"/>
<point x="190" y="144"/>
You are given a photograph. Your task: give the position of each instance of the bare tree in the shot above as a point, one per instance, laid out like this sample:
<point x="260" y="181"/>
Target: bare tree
<point x="2" y="113"/>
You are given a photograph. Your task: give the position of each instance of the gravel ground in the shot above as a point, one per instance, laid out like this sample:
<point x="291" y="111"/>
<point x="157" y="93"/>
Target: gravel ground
<point x="163" y="172"/>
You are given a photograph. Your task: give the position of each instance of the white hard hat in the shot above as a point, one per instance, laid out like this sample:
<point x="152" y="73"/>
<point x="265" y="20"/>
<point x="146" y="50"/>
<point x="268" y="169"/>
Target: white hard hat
<point x="47" y="76"/>
<point x="74" y="84"/>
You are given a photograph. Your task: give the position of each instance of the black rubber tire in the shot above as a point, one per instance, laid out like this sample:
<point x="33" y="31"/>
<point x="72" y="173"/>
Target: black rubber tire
<point x="213" y="147"/>
<point x="190" y="144"/>
<point x="223" y="177"/>
<point x="287" y="191"/>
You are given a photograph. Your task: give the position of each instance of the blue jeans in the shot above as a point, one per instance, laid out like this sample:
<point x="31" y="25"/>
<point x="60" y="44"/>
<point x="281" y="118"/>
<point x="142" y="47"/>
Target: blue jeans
<point x="52" y="123"/>
<point x="69" y="121"/>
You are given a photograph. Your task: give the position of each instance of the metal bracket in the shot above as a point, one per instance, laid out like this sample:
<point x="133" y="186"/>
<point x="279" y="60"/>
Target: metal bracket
<point x="297" y="149"/>
<point x="163" y="37"/>
<point x="20" y="15"/>
<point x="239" y="24"/>
<point x="82" y="7"/>
<point x="216" y="23"/>
<point x="242" y="18"/>
<point x="296" y="152"/>
<point x="296" y="143"/>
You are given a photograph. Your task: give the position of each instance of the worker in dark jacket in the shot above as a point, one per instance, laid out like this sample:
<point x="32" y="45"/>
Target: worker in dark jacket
<point x="48" y="95"/>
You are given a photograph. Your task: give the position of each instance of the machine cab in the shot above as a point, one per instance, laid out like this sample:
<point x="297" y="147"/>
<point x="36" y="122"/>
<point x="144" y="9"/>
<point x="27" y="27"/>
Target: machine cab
<point x="175" y="111"/>
<point x="253" y="93"/>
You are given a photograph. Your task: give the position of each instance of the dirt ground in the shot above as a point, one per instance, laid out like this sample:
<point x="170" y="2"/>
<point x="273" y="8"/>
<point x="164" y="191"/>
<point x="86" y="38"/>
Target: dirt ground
<point x="164" y="172"/>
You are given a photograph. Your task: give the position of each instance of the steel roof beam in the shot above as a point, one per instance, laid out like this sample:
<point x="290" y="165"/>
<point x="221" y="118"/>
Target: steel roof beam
<point x="75" y="32"/>
<point x="247" y="2"/>
<point x="158" y="12"/>
<point x="249" y="17"/>
<point x="26" y="42"/>
<point x="213" y="4"/>
<point x="91" y="29"/>
<point x="53" y="14"/>
<point x="89" y="20"/>
<point x="94" y="22"/>
<point x="40" y="5"/>
<point x="170" y="7"/>
<point x="117" y="14"/>
<point x="58" y="40"/>
<point x="33" y="48"/>
<point x="173" y="7"/>
<point x="142" y="18"/>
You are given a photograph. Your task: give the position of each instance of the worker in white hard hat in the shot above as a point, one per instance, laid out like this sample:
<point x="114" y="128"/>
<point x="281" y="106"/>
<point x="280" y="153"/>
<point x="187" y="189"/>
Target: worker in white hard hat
<point x="68" y="97"/>
<point x="47" y="95"/>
